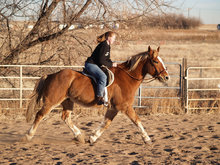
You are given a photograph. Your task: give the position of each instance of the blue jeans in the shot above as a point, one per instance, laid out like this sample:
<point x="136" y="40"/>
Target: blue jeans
<point x="100" y="76"/>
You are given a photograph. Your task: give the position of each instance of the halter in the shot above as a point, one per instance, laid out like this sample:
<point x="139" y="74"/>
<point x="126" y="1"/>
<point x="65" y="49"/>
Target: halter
<point x="157" y="74"/>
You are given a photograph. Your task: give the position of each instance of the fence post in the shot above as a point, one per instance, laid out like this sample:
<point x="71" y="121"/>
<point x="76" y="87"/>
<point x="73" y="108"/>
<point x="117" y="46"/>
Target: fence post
<point x="183" y="87"/>
<point x="21" y="86"/>
<point x="139" y="96"/>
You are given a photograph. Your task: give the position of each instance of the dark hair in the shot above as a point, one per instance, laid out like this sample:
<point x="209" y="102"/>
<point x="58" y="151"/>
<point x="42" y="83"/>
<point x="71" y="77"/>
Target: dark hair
<point x="105" y="36"/>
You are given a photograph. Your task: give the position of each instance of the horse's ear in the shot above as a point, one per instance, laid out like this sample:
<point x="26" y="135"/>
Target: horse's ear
<point x="155" y="54"/>
<point x="149" y="52"/>
<point x="152" y="53"/>
<point x="158" y="49"/>
<point x="149" y="48"/>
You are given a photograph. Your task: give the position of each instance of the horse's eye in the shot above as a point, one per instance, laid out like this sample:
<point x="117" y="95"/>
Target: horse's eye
<point x="155" y="61"/>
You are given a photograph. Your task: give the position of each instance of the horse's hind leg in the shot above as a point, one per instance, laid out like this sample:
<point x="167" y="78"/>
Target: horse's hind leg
<point x="135" y="119"/>
<point x="66" y="117"/>
<point x="39" y="116"/>
<point x="109" y="116"/>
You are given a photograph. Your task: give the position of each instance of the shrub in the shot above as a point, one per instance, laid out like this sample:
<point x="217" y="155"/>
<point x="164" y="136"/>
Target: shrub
<point x="168" y="21"/>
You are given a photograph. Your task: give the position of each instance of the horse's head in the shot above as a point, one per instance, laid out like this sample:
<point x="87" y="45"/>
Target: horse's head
<point x="155" y="66"/>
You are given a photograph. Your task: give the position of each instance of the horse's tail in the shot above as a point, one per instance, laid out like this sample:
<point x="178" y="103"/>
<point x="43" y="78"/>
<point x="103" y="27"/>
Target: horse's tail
<point x="35" y="98"/>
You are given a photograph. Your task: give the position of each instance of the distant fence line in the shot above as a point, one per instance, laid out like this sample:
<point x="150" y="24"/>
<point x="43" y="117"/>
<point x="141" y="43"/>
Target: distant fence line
<point x="180" y="75"/>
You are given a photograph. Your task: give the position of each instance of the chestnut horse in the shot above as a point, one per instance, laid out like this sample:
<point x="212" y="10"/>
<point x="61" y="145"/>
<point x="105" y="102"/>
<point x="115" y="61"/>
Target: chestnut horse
<point x="67" y="87"/>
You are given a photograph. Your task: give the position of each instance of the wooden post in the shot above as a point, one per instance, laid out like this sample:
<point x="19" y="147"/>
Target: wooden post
<point x="183" y="80"/>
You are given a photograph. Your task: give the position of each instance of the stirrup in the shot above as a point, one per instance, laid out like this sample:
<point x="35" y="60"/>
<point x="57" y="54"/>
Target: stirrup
<point x="105" y="104"/>
<point x="101" y="101"/>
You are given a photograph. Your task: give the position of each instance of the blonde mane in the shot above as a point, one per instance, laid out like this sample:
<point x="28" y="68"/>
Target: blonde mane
<point x="133" y="61"/>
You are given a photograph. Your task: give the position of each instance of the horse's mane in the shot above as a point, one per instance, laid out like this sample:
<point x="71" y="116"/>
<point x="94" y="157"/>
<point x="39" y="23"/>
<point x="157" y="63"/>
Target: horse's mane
<point x="133" y="61"/>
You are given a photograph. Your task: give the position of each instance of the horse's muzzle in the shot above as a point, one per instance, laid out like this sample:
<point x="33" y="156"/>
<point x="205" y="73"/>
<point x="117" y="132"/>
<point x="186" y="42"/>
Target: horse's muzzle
<point x="163" y="78"/>
<point x="167" y="78"/>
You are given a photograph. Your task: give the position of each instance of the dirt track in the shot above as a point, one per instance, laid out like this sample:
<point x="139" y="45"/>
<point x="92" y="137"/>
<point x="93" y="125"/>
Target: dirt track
<point x="177" y="139"/>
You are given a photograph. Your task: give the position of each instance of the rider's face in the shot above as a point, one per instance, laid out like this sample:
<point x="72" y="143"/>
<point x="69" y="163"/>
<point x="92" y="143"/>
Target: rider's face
<point x="111" y="39"/>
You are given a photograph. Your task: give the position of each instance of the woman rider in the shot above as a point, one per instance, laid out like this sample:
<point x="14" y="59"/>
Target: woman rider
<point x="101" y="57"/>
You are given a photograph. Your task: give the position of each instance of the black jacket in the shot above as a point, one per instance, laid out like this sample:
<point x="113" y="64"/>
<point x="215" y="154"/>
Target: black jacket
<point x="101" y="55"/>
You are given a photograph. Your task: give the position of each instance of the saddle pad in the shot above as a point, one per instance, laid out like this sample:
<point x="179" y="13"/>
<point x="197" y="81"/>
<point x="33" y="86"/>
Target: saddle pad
<point x="109" y="74"/>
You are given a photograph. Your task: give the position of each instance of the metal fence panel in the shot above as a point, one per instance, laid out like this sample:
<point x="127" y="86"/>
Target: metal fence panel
<point x="20" y="91"/>
<point x="202" y="87"/>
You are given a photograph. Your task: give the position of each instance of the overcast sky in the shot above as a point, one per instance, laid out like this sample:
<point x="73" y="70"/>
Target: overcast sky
<point x="207" y="10"/>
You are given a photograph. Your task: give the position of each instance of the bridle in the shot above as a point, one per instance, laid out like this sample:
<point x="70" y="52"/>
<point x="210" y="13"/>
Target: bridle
<point x="155" y="76"/>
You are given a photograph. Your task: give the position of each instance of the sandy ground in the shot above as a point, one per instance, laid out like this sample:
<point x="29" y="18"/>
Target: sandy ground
<point x="177" y="139"/>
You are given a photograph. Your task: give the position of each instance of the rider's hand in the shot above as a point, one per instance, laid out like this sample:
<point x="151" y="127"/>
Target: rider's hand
<point x="114" y="64"/>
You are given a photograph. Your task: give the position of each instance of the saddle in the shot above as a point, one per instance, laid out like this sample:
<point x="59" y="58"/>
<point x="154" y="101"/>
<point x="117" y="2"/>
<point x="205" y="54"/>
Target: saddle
<point x="108" y="73"/>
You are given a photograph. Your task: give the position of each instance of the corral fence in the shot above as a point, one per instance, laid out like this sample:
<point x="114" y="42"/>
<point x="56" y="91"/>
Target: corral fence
<point x="18" y="82"/>
<point x="202" y="85"/>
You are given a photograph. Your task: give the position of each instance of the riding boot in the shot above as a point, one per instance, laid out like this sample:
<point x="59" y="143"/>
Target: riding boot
<point x="100" y="100"/>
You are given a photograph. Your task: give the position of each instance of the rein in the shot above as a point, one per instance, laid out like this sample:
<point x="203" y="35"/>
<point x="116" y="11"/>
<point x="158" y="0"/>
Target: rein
<point x="150" y="79"/>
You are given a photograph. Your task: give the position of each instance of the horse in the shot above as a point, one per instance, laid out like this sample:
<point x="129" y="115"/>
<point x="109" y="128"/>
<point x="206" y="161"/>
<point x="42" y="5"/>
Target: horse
<point x="67" y="87"/>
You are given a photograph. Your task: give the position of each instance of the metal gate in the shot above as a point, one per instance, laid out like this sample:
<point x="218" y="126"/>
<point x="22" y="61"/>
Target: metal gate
<point x="202" y="88"/>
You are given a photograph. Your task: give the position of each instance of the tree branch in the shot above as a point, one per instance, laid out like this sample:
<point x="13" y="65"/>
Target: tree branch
<point x="29" y="39"/>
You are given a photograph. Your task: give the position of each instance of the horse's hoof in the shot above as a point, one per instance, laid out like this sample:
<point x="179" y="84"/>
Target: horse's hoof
<point x="92" y="140"/>
<point x="26" y="138"/>
<point x="81" y="138"/>
<point x="148" y="143"/>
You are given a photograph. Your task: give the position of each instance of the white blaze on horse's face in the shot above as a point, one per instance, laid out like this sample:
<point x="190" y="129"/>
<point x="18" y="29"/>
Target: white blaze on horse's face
<point x="164" y="74"/>
<point x="161" y="62"/>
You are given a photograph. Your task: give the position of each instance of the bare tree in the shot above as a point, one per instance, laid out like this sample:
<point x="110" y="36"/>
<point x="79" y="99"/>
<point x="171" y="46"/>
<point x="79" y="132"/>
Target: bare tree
<point x="49" y="14"/>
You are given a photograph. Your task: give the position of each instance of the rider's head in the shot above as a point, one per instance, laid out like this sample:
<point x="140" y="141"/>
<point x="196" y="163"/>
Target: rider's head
<point x="109" y="36"/>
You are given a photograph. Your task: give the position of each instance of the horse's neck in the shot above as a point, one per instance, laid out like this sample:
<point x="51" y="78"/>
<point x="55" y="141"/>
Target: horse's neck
<point x="136" y="75"/>
<point x="138" y="72"/>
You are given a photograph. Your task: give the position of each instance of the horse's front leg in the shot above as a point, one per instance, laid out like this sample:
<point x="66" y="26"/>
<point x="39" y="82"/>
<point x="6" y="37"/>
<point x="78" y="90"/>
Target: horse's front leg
<point x="109" y="116"/>
<point x="135" y="119"/>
